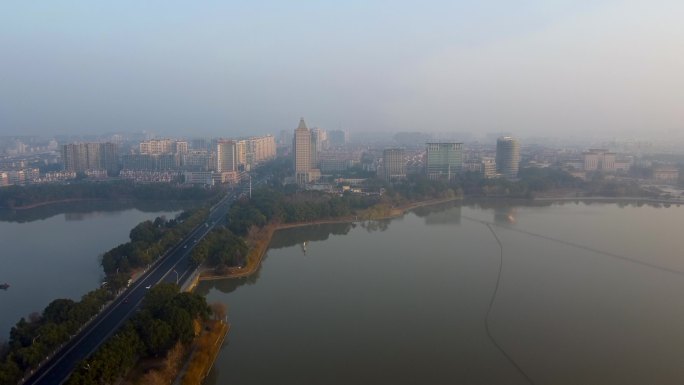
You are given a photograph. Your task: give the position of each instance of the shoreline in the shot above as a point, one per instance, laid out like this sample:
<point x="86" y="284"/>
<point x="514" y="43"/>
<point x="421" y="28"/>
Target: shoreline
<point x="53" y="202"/>
<point x="394" y="212"/>
<point x="267" y="232"/>
<point x="610" y="199"/>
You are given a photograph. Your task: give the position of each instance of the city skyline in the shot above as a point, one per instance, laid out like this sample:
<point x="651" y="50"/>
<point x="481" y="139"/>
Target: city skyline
<point x="558" y="68"/>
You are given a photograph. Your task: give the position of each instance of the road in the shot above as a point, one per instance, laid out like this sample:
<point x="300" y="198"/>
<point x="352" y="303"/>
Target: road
<point x="175" y="267"/>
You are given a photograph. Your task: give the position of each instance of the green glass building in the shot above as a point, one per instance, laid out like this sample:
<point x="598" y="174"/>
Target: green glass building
<point x="443" y="160"/>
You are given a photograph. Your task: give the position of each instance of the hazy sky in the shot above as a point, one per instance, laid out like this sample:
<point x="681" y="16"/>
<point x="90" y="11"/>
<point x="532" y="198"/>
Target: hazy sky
<point x="236" y="67"/>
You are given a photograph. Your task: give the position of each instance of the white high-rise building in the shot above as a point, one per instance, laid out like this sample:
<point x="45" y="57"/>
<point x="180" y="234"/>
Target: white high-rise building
<point x="508" y="157"/>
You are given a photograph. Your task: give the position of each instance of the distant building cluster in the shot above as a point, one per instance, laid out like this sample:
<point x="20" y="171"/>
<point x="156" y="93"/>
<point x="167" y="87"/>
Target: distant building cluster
<point x="446" y="160"/>
<point x="666" y="174"/>
<point x="243" y="154"/>
<point x="168" y="160"/>
<point x="19" y="177"/>
<point x="317" y="156"/>
<point x="145" y="176"/>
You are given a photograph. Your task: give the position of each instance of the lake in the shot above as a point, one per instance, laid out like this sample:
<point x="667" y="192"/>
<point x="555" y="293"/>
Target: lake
<point x="576" y="294"/>
<point x="53" y="252"/>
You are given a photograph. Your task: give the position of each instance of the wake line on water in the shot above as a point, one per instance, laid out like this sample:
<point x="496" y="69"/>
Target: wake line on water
<point x="580" y="246"/>
<point x="551" y="239"/>
<point x="491" y="305"/>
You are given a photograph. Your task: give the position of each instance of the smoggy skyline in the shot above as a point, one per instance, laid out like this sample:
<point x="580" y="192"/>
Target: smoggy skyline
<point x="552" y="68"/>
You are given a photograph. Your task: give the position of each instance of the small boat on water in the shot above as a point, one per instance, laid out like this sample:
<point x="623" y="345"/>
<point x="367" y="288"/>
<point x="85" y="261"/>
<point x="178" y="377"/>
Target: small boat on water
<point x="4" y="286"/>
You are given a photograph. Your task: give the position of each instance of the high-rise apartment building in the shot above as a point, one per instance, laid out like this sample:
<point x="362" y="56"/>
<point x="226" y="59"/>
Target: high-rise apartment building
<point x="227" y="155"/>
<point x="488" y="167"/>
<point x="507" y="157"/>
<point x="393" y="164"/>
<point x="315" y="143"/>
<point x="163" y="146"/>
<point x="79" y="157"/>
<point x="321" y="138"/>
<point x="257" y="150"/>
<point x="109" y="156"/>
<point x="443" y="160"/>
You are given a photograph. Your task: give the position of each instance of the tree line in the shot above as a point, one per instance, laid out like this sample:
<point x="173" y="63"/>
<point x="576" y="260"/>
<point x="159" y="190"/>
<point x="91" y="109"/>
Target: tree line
<point x="149" y="240"/>
<point x="22" y="196"/>
<point x="166" y="318"/>
<point x="33" y="338"/>
<point x="283" y="205"/>
<point x="226" y="246"/>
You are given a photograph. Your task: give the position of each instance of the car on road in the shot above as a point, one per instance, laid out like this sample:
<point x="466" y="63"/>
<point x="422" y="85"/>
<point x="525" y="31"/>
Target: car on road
<point x="148" y="287"/>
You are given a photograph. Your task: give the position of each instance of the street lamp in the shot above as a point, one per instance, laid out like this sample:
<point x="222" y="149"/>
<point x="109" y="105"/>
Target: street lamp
<point x="176" y="276"/>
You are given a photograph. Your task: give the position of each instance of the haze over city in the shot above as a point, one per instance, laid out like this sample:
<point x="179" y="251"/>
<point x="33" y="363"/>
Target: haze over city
<point x="533" y="68"/>
<point x="380" y="192"/>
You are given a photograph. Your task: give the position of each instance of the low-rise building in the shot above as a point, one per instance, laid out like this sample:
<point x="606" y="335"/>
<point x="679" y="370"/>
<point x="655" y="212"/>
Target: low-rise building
<point x="666" y="174"/>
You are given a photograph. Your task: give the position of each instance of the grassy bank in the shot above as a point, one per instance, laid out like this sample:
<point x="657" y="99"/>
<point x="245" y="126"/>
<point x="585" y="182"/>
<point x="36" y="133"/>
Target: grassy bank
<point x="204" y="349"/>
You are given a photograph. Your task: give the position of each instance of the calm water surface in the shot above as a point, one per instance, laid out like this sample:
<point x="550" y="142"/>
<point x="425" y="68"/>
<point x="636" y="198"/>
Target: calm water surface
<point x="57" y="256"/>
<point x="587" y="294"/>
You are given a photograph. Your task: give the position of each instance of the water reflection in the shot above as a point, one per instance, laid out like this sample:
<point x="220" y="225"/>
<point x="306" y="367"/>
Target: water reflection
<point x="505" y="215"/>
<point x="377" y="225"/>
<point x="448" y="213"/>
<point x="229" y="285"/>
<point x="298" y="235"/>
<point x="78" y="211"/>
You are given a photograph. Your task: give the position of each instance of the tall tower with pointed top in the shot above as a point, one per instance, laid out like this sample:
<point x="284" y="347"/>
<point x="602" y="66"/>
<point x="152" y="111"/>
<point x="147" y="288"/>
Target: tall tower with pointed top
<point x="302" y="153"/>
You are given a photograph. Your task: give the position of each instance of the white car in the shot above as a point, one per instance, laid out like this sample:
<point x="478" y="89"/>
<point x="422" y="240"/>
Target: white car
<point x="148" y="287"/>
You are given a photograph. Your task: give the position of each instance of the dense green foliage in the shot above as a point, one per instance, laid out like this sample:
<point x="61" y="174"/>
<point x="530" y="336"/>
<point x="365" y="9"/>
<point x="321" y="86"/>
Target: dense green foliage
<point x="220" y="248"/>
<point x="31" y="340"/>
<point x="149" y="240"/>
<point x="599" y="185"/>
<point x="531" y="181"/>
<point x="270" y="204"/>
<point x="22" y="196"/>
<point x="166" y="317"/>
<point x="417" y="188"/>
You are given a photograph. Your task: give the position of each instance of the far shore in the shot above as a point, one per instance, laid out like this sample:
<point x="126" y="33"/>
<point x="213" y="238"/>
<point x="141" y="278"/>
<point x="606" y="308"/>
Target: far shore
<point x="611" y="199"/>
<point x="53" y="202"/>
<point x="266" y="233"/>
